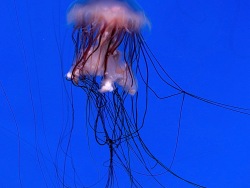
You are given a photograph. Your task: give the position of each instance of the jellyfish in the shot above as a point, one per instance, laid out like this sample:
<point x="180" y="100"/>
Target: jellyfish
<point x="108" y="47"/>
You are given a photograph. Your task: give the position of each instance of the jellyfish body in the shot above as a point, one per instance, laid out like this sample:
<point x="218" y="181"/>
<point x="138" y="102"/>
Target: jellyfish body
<point x="102" y="27"/>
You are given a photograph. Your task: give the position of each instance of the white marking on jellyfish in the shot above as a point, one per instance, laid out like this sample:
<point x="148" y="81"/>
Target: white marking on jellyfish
<point x="69" y="75"/>
<point x="107" y="85"/>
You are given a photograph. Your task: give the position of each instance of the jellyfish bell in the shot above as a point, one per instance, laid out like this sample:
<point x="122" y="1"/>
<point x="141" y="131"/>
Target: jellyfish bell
<point x="105" y="44"/>
<point x="115" y="13"/>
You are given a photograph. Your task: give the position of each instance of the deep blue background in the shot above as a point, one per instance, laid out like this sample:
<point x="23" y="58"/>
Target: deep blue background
<point x="204" y="46"/>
